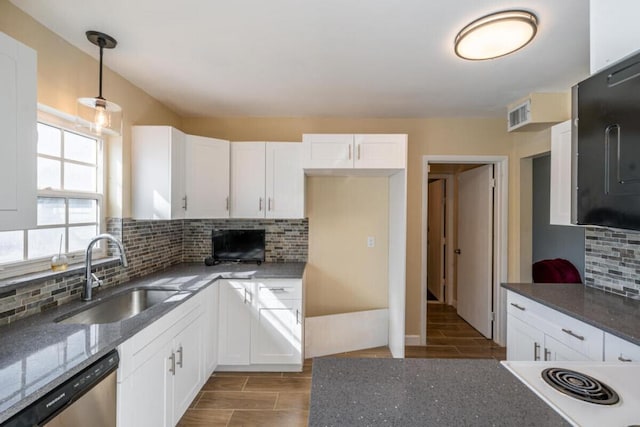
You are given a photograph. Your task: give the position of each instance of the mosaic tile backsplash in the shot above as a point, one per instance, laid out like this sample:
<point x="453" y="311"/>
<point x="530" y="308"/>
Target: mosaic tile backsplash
<point x="612" y="260"/>
<point x="152" y="246"/>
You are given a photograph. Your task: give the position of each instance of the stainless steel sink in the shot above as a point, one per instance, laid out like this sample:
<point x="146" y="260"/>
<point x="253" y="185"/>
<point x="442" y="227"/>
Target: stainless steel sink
<point x="120" y="307"/>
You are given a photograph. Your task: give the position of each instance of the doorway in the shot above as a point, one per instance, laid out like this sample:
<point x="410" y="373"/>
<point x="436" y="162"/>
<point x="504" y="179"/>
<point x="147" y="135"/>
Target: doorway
<point x="484" y="310"/>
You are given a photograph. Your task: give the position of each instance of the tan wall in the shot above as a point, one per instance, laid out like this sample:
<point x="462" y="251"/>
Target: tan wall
<point x="464" y="136"/>
<point x="65" y="73"/>
<point x="343" y="274"/>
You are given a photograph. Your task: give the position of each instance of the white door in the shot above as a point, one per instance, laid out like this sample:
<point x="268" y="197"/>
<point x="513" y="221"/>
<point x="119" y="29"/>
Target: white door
<point x="328" y="151"/>
<point x="177" y="159"/>
<point x="188" y="377"/>
<point x="435" y="239"/>
<point x="248" y="180"/>
<point x="379" y="151"/>
<point x="475" y="244"/>
<point x="207" y="177"/>
<point x="210" y="330"/>
<point x="151" y="383"/>
<point x="284" y="180"/>
<point x="276" y="332"/>
<point x="235" y="322"/>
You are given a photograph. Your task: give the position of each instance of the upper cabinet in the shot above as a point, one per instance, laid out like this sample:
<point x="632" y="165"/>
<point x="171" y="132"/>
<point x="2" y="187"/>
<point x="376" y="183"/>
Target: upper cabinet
<point x="207" y="177"/>
<point x="360" y="151"/>
<point x="18" y="120"/>
<point x="267" y="180"/>
<point x="614" y="31"/>
<point x="178" y="176"/>
<point x="560" y="189"/>
<point x="157" y="172"/>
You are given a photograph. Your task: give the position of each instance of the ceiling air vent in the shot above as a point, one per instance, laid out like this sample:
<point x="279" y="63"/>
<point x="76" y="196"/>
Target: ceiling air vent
<point x="538" y="111"/>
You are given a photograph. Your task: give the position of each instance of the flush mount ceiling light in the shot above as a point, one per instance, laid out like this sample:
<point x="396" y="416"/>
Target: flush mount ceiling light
<point x="496" y="35"/>
<point x="97" y="114"/>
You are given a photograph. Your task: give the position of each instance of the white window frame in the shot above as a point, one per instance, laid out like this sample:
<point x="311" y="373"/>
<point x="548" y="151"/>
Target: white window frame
<point x="51" y="117"/>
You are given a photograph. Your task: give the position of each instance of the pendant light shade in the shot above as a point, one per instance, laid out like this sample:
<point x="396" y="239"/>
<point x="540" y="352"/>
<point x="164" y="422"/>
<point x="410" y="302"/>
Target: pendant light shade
<point x="97" y="114"/>
<point x="496" y="35"/>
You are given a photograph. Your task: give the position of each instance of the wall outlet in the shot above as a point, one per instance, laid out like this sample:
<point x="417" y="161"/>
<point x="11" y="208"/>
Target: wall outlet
<point x="371" y="241"/>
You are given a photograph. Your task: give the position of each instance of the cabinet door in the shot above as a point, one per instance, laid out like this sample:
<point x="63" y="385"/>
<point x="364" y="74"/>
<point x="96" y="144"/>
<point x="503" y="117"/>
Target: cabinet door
<point x="235" y="322"/>
<point x="248" y="180"/>
<point x="210" y="330"/>
<point x="555" y="350"/>
<point x="380" y="151"/>
<point x="619" y="350"/>
<point x="207" y="177"/>
<point x="17" y="135"/>
<point x="152" y="392"/>
<point x="188" y="376"/>
<point x="328" y="151"/>
<point x="284" y="180"/>
<point x="276" y="332"/>
<point x="614" y="31"/>
<point x="157" y="172"/>
<point x="178" y="184"/>
<point x="560" y="190"/>
<point x="524" y="342"/>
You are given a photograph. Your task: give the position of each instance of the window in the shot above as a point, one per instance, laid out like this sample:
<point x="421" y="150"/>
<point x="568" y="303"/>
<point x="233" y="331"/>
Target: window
<point x="69" y="201"/>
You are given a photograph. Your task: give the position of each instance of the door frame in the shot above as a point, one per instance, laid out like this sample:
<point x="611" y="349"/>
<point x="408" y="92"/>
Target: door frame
<point x="500" y="235"/>
<point x="449" y="267"/>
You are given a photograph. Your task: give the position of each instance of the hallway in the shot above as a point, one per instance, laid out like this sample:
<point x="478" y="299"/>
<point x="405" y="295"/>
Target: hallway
<point x="450" y="337"/>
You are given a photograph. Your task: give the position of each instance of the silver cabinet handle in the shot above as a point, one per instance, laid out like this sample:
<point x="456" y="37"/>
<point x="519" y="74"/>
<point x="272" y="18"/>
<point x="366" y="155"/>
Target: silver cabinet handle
<point x="518" y="307"/>
<point x="349" y="152"/>
<point x="172" y="367"/>
<point x="297" y="316"/>
<point x="623" y="359"/>
<point x="245" y="296"/>
<point x="184" y="203"/>
<point x="547" y="354"/>
<point x="359" y="151"/>
<point x="260" y="204"/>
<point x="227" y="201"/>
<point x="179" y="362"/>
<point x="247" y="300"/>
<point x="536" y="351"/>
<point x="276" y="289"/>
<point x="269" y="203"/>
<point x="573" y="334"/>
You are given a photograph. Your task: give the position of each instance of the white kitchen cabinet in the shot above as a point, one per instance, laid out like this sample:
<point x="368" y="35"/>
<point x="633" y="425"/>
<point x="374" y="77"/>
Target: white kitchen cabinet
<point x="248" y="179"/>
<point x="560" y="337"/>
<point x="267" y="180"/>
<point x="18" y="133"/>
<point x="614" y="31"/>
<point x="619" y="350"/>
<point x="157" y="172"/>
<point x="560" y="189"/>
<point x="284" y="180"/>
<point x="260" y="324"/>
<point x="210" y="329"/>
<point x="360" y="151"/>
<point x="161" y="368"/>
<point x="207" y="177"/>
<point x="234" y="345"/>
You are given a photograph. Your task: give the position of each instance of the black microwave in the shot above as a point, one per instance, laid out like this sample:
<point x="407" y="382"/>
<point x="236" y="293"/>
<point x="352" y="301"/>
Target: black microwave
<point x="606" y="147"/>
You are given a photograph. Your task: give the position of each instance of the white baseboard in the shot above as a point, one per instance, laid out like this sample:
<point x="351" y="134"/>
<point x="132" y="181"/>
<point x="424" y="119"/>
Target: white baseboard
<point x="412" y="340"/>
<point x="338" y="333"/>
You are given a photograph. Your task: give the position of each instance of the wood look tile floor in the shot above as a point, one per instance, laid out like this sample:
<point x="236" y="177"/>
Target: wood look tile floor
<point x="281" y="399"/>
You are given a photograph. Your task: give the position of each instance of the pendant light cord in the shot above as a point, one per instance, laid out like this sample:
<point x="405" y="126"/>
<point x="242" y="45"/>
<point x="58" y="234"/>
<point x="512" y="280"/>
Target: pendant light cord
<point x="101" y="43"/>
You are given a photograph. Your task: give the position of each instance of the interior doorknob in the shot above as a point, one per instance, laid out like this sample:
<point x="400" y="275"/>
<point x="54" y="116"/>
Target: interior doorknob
<point x="457" y="251"/>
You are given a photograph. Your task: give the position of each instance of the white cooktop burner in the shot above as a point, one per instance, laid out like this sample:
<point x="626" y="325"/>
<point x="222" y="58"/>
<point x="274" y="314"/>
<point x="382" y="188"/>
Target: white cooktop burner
<point x="622" y="378"/>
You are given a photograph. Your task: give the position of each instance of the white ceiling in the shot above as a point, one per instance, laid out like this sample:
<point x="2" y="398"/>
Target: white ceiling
<point x="352" y="58"/>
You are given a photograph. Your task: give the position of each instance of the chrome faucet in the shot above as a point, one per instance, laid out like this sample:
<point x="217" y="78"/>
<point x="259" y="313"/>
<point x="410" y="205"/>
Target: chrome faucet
<point x="90" y="278"/>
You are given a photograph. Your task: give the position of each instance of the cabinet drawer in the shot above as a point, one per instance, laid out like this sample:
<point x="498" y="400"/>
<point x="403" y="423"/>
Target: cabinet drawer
<point x="522" y="308"/>
<point x="618" y="350"/>
<point x="279" y="289"/>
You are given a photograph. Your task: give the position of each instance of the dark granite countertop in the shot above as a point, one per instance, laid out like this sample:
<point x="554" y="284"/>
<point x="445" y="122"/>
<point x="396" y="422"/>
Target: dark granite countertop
<point x="422" y="392"/>
<point x="37" y="354"/>
<point x="612" y="313"/>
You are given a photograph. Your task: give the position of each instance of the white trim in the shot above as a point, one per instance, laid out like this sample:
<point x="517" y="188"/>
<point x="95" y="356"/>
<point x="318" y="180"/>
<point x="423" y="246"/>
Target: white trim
<point x="412" y="340"/>
<point x="449" y="212"/>
<point x="501" y="205"/>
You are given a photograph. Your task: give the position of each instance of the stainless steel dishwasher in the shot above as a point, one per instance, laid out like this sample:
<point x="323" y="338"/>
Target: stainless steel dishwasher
<point x="86" y="399"/>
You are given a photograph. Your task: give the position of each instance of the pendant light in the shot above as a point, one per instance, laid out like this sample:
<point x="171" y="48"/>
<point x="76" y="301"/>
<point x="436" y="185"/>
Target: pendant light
<point x="97" y="114"/>
<point x="496" y="35"/>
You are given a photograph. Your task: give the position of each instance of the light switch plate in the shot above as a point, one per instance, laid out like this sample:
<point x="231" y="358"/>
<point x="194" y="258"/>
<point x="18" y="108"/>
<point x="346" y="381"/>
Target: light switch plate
<point x="371" y="241"/>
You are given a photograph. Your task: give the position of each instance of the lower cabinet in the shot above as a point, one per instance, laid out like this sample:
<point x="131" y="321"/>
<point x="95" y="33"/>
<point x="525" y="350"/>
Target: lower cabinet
<point x="618" y="350"/>
<point x="260" y="324"/>
<point x="164" y="369"/>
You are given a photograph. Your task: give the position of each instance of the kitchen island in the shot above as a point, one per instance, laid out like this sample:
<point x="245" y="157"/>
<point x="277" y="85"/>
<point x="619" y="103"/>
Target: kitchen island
<point x="422" y="392"/>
